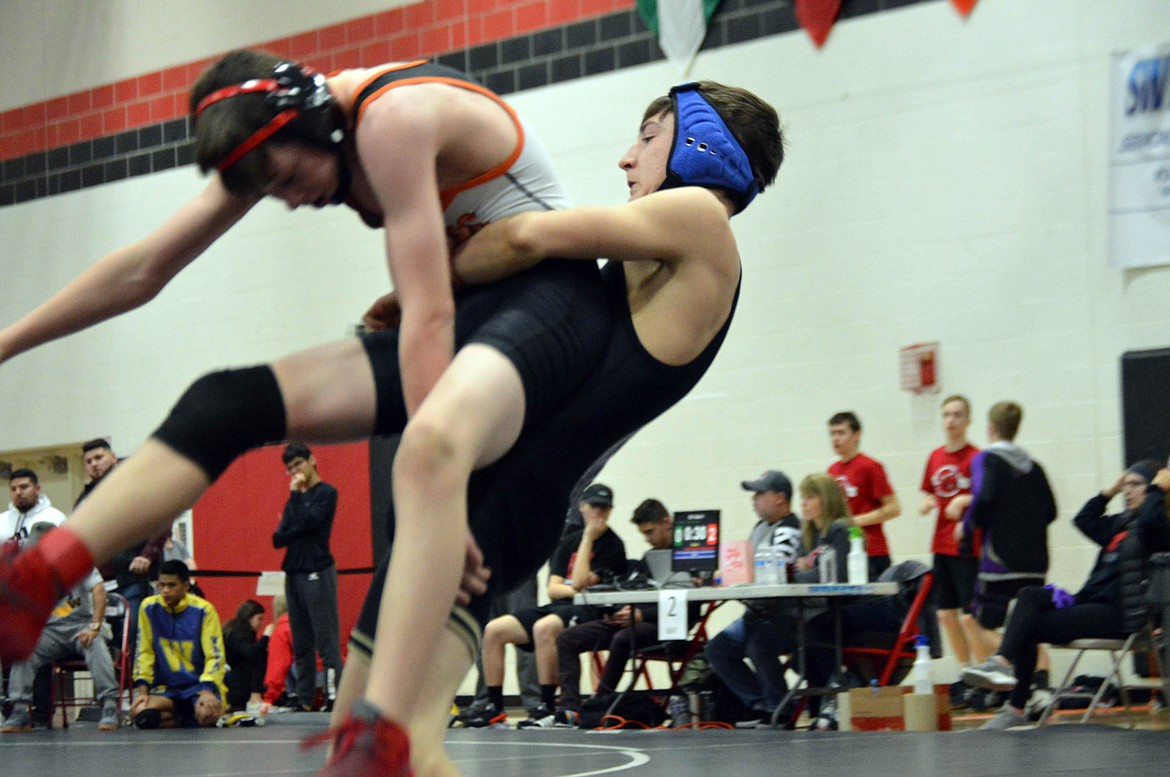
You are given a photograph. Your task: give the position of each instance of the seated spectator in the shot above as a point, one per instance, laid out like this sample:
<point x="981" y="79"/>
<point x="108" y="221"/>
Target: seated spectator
<point x="279" y="693"/>
<point x="28" y="506"/>
<point x="179" y="666"/>
<point x="761" y="686"/>
<point x="245" y="640"/>
<point x="578" y="562"/>
<point x="74" y="627"/>
<point x="1101" y="609"/>
<point x="612" y="632"/>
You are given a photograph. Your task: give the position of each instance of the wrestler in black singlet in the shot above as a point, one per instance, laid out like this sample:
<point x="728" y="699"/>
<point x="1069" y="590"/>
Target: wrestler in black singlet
<point x="516" y="506"/>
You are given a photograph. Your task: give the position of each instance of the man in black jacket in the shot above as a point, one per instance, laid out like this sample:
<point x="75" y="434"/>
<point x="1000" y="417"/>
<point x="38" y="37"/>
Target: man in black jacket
<point x="1012" y="504"/>
<point x="310" y="583"/>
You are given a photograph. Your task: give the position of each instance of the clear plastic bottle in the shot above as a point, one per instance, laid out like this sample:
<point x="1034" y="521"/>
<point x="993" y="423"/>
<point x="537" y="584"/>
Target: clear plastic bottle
<point x="923" y="680"/>
<point x="827" y="564"/>
<point x="765" y="567"/>
<point x="858" y="562"/>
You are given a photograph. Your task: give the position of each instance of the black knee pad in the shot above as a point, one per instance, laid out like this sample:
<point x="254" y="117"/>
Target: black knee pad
<point x="224" y="414"/>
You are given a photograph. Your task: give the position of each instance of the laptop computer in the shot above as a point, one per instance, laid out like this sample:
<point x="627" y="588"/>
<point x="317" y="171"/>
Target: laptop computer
<point x="659" y="562"/>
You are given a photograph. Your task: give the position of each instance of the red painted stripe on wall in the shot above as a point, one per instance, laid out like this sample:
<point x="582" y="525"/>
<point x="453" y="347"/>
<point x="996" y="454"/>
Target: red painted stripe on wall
<point x="425" y="29"/>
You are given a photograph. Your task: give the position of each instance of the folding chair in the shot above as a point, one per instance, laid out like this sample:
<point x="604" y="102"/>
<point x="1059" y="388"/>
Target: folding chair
<point x="1146" y="640"/>
<point x="65" y="682"/>
<point x="676" y="655"/>
<point x="887" y="658"/>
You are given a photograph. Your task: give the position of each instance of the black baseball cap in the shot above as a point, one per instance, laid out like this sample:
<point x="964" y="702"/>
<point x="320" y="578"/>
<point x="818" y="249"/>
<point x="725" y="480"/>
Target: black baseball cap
<point x="772" y="480"/>
<point x="599" y="495"/>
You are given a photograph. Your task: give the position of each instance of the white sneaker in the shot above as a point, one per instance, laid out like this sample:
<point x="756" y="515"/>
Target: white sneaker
<point x="991" y="674"/>
<point x="1006" y="719"/>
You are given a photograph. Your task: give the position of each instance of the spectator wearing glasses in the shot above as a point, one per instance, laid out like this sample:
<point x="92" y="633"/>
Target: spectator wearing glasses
<point x="310" y="582"/>
<point x="1099" y="610"/>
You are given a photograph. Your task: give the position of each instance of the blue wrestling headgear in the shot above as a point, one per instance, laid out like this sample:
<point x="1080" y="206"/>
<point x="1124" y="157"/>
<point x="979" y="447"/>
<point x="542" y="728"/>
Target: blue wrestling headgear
<point x="705" y="151"/>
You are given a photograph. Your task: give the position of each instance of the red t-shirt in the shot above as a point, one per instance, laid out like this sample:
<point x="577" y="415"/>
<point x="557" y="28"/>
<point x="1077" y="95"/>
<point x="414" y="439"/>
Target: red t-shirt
<point x="947" y="475"/>
<point x="864" y="482"/>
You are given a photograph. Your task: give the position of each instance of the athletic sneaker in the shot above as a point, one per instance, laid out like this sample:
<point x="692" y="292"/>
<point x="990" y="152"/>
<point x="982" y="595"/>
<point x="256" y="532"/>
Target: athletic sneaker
<point x="566" y="719"/>
<point x="365" y="745"/>
<point x="539" y="717"/>
<point x="1007" y="718"/>
<point x="488" y="716"/>
<point x="991" y="674"/>
<point x="109" y="719"/>
<point x="28" y="589"/>
<point x="148" y="719"/>
<point x="1040" y="700"/>
<point x="827" y="717"/>
<point x="958" y="695"/>
<point x="19" y="722"/>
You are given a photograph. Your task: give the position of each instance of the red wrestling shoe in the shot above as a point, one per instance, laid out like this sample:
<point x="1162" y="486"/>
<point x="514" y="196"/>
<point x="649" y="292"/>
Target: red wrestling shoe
<point x="365" y="745"/>
<point x="31" y="582"/>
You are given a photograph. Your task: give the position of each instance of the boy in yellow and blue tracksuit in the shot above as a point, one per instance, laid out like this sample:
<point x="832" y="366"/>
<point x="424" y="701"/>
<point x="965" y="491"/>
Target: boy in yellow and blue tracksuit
<point x="179" y="667"/>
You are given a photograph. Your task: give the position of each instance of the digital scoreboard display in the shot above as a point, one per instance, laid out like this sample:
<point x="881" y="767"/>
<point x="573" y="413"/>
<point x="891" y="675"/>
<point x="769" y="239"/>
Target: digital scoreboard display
<point x="696" y="541"/>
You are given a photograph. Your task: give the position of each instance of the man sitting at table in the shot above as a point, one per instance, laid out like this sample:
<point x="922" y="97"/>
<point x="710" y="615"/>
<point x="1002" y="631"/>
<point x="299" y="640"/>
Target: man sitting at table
<point x="760" y="640"/>
<point x="613" y="632"/>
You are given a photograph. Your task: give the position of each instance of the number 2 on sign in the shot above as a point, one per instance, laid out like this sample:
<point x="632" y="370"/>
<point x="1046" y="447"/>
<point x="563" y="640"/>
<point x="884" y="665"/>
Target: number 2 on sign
<point x="672" y="614"/>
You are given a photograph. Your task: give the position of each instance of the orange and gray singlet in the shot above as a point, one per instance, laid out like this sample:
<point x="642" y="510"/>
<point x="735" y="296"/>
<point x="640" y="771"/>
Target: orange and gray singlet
<point x="524" y="181"/>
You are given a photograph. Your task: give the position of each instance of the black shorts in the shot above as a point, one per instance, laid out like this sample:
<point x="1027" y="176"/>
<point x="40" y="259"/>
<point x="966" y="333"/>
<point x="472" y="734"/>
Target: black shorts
<point x="551" y="322"/>
<point x="570" y="615"/>
<point x="954" y="581"/>
<point x="993" y="598"/>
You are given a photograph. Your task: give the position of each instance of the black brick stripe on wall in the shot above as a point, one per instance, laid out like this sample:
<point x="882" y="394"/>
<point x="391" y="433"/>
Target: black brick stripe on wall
<point x="577" y="50"/>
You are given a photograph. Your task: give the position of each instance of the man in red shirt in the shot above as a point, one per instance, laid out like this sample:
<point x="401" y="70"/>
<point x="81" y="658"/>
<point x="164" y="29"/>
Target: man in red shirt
<point x="947" y="485"/>
<point x="871" y="498"/>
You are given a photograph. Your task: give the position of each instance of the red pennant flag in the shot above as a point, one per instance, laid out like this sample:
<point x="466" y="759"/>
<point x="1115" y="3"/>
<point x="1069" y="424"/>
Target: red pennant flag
<point x="964" y="6"/>
<point x="817" y="17"/>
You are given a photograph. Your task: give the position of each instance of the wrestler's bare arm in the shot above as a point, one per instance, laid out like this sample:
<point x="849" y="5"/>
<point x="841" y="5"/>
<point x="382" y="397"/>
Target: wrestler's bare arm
<point x="129" y="276"/>
<point x="398" y="145"/>
<point x="669" y="227"/>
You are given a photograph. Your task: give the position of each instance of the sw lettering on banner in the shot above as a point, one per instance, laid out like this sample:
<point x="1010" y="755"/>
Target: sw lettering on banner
<point x="1139" y="159"/>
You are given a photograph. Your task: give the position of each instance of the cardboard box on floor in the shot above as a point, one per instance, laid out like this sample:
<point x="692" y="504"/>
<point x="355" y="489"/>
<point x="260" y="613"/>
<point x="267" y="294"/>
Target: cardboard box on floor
<point x="883" y="709"/>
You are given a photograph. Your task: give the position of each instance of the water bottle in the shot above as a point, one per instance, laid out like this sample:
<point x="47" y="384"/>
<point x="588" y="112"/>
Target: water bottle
<point x="707" y="702"/>
<point x="694" y="706"/>
<point x="764" y="566"/>
<point x="923" y="682"/>
<point x="781" y="566"/>
<point x="858" y="562"/>
<point x="680" y="712"/>
<point x="827" y="564"/>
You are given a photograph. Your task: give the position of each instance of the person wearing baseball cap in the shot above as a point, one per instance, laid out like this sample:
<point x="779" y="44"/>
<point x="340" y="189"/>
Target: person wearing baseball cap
<point x="585" y="557"/>
<point x="598" y="495"/>
<point x="772" y="480"/>
<point x="761" y="640"/>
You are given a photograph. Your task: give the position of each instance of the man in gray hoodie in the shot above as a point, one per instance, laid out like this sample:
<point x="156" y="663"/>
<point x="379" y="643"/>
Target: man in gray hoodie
<point x="1012" y="505"/>
<point x="27" y="506"/>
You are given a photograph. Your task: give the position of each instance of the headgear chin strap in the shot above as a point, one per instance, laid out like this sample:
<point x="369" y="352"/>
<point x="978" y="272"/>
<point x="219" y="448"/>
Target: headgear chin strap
<point x="295" y="93"/>
<point x="705" y="151"/>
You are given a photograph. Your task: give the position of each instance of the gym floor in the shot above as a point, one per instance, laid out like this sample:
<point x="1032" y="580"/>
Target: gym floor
<point x="273" y="751"/>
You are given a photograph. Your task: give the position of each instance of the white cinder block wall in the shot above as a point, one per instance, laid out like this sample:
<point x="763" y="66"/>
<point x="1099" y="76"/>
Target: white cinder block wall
<point x="946" y="180"/>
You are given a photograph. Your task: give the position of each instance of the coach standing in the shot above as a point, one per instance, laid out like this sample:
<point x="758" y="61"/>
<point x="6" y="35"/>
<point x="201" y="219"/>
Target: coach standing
<point x="310" y="574"/>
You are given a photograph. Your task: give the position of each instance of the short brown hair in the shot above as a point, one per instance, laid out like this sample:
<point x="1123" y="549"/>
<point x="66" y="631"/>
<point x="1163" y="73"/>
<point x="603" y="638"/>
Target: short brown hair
<point x="650" y="511"/>
<point x="847" y="417"/>
<point x="223" y="126"/>
<point x="754" y="122"/>
<point x="1005" y="417"/>
<point x="958" y="398"/>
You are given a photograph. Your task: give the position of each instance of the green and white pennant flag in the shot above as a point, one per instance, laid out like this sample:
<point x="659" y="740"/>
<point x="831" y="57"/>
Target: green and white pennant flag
<point x="680" y="26"/>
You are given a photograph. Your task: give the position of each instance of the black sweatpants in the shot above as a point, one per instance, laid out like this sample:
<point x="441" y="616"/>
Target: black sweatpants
<point x="1036" y="620"/>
